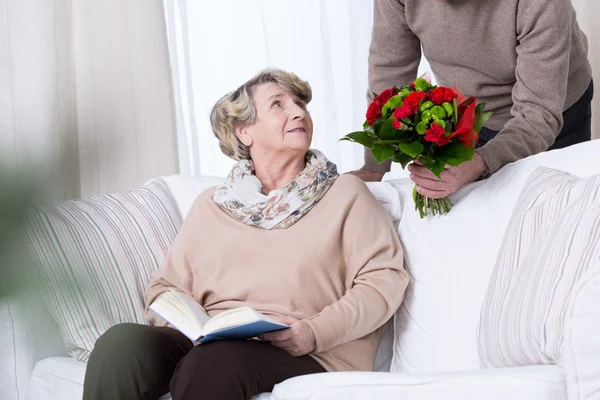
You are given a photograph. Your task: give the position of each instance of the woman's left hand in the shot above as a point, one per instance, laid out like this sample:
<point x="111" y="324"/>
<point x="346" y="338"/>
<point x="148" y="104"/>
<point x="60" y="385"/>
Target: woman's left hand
<point x="298" y="340"/>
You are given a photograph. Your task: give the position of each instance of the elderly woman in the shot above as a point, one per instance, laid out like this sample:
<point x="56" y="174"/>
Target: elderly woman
<point x="284" y="235"/>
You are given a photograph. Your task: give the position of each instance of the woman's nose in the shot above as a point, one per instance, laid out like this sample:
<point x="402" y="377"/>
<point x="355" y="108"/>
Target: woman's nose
<point x="298" y="112"/>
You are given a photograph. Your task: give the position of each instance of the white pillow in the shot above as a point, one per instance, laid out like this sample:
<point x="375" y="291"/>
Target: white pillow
<point x="581" y="351"/>
<point x="553" y="238"/>
<point x="450" y="259"/>
<point x="185" y="189"/>
<point x="95" y="258"/>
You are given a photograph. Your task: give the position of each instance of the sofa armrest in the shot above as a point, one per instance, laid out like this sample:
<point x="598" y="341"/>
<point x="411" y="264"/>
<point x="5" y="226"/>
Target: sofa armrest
<point x="27" y="335"/>
<point x="581" y="346"/>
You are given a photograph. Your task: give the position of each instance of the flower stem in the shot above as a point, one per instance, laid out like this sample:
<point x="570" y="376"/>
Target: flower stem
<point x="427" y="206"/>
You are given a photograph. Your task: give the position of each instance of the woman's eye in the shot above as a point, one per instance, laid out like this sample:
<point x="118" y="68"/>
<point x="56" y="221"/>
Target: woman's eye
<point x="276" y="104"/>
<point x="301" y="105"/>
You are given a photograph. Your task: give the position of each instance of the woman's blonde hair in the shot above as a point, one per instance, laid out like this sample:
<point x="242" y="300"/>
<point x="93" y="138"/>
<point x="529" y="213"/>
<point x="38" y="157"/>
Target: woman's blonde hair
<point x="237" y="109"/>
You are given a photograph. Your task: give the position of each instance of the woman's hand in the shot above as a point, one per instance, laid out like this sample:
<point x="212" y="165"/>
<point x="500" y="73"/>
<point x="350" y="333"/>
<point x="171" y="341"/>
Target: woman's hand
<point x="298" y="340"/>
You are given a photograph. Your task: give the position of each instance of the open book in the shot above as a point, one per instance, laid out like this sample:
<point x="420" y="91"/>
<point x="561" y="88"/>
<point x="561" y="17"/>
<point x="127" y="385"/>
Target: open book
<point x="190" y="319"/>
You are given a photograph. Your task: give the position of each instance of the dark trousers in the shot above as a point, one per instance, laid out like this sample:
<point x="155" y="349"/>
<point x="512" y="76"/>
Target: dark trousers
<point x="577" y="124"/>
<point x="132" y="361"/>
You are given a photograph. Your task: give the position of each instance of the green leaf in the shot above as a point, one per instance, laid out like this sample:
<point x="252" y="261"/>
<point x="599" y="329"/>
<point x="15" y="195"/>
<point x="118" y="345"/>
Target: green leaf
<point x="403" y="159"/>
<point x="436" y="167"/>
<point x="387" y="131"/>
<point x="382" y="151"/>
<point x="359" y="137"/>
<point x="412" y="149"/>
<point x="457" y="153"/>
<point x="480" y="117"/>
<point x="455" y="112"/>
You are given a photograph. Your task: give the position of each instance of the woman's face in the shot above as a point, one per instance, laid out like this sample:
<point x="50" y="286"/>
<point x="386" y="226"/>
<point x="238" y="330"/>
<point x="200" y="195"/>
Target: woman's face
<point x="283" y="125"/>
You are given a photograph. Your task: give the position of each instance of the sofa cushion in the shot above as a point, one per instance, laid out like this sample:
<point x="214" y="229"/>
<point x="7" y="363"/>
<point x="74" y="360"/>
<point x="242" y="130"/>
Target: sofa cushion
<point x="450" y="259"/>
<point x="61" y="378"/>
<point x="96" y="257"/>
<point x="553" y="238"/>
<point x="581" y="349"/>
<point x="525" y="383"/>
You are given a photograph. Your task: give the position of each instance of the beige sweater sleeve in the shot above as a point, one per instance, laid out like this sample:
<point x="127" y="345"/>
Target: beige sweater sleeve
<point x="543" y="57"/>
<point x="374" y="264"/>
<point x="176" y="272"/>
<point x="394" y="57"/>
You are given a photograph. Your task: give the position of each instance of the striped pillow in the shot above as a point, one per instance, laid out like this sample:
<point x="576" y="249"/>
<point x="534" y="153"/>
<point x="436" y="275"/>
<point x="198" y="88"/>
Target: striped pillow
<point x="96" y="257"/>
<point x="553" y="238"/>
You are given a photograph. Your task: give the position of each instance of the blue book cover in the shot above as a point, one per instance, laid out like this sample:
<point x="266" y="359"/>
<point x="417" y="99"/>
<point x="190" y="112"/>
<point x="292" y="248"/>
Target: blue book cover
<point x="246" y="331"/>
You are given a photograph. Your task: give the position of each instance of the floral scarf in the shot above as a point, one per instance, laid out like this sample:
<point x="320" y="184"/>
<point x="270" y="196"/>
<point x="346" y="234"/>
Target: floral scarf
<point x="242" y="194"/>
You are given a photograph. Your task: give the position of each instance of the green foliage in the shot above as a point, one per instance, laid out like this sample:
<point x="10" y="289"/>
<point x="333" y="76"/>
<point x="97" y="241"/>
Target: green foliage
<point x="360" y="137"/>
<point x="457" y="153"/>
<point x="383" y="151"/>
<point x="412" y="149"/>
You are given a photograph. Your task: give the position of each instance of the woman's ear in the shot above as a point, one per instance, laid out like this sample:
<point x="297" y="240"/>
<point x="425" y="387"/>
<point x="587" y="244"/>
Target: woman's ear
<point x="242" y="133"/>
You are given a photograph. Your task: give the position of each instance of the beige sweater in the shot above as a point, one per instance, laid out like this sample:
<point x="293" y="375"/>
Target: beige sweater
<point x="340" y="268"/>
<point x="527" y="59"/>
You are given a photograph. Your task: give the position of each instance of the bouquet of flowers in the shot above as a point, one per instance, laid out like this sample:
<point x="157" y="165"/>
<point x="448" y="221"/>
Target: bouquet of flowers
<point x="435" y="125"/>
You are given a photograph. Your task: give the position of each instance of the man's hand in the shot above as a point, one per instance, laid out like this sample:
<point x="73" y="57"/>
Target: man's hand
<point x="451" y="179"/>
<point x="368" y="176"/>
<point x="298" y="340"/>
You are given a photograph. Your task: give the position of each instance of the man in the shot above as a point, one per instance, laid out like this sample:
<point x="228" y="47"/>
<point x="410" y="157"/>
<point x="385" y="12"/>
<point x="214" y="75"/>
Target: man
<point x="527" y="59"/>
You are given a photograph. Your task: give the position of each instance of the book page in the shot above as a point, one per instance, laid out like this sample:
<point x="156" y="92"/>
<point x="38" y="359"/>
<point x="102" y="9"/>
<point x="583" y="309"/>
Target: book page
<point x="194" y="307"/>
<point x="235" y="317"/>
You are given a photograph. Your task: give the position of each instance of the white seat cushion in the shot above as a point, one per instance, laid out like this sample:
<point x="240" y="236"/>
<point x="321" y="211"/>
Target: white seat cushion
<point x="61" y="378"/>
<point x="525" y="383"/>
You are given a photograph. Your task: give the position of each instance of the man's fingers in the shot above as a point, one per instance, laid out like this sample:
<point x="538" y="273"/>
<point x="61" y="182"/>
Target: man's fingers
<point x="432" y="194"/>
<point x="422" y="171"/>
<point x="429" y="183"/>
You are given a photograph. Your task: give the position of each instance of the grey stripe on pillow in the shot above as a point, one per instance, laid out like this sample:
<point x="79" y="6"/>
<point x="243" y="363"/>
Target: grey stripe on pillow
<point x="552" y="239"/>
<point x="96" y="257"/>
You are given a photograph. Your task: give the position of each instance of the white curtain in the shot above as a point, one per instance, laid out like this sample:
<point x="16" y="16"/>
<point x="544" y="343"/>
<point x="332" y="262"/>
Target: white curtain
<point x="217" y="45"/>
<point x="85" y="94"/>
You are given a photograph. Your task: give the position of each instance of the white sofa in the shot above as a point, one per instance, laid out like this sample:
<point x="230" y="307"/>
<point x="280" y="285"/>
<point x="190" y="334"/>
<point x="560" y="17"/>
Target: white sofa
<point x="430" y="346"/>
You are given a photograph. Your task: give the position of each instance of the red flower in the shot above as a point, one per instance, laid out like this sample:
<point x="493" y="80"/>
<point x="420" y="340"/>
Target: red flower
<point x="373" y="113"/>
<point x="384" y="96"/>
<point x="435" y="134"/>
<point x="413" y="100"/>
<point x="402" y="112"/>
<point x="466" y="120"/>
<point x="397" y="124"/>
<point x="442" y="95"/>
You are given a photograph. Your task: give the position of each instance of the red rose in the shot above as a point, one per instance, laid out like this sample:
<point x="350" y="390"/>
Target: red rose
<point x="373" y="113"/>
<point x="397" y="124"/>
<point x="435" y="134"/>
<point x="384" y="96"/>
<point x="413" y="100"/>
<point x="442" y="95"/>
<point x="402" y="112"/>
<point x="466" y="121"/>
